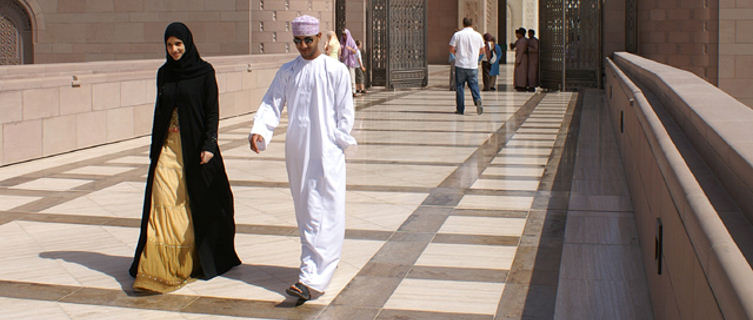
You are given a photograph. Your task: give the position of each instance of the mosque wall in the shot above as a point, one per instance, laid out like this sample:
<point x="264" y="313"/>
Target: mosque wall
<point x="270" y="22"/>
<point x="736" y="49"/>
<point x="443" y="21"/>
<point x="81" y="30"/>
<point x="683" y="34"/>
<point x="85" y="30"/>
<point x="50" y="109"/>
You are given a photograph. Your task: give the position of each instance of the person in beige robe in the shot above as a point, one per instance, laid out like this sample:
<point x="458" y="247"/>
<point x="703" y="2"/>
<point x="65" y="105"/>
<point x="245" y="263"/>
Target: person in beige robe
<point x="533" y="60"/>
<point x="520" y="78"/>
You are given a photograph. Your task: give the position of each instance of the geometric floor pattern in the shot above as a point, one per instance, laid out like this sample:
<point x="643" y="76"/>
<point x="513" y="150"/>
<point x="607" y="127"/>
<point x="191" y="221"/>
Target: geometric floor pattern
<point x="445" y="215"/>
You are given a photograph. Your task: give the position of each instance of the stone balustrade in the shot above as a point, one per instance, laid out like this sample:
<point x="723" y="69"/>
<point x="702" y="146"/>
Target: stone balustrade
<point x="49" y="109"/>
<point x="687" y="152"/>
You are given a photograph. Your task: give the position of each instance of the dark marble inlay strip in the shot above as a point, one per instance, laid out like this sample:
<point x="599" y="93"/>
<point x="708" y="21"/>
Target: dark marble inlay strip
<point x="263" y="184"/>
<point x="253" y="308"/>
<point x="431" y="120"/>
<point x="350" y="187"/>
<point x="76" y="219"/>
<point x="389" y="314"/>
<point x="490" y="213"/>
<point x="512" y="193"/>
<point x="500" y="177"/>
<point x="531" y="288"/>
<point x="36" y="193"/>
<point x="412" y="163"/>
<point x="386" y="111"/>
<point x="457" y="274"/>
<point x="404" y="189"/>
<point x="523" y="155"/>
<point x="528" y="126"/>
<point x="520" y="137"/>
<point x="408" y="144"/>
<point x="166" y="302"/>
<point x="371" y="288"/>
<point x="517" y="165"/>
<point x="476" y="239"/>
<point x="528" y="147"/>
<point x="287" y="231"/>
<point x="6" y="217"/>
<point x="423" y="131"/>
<point x="361" y="161"/>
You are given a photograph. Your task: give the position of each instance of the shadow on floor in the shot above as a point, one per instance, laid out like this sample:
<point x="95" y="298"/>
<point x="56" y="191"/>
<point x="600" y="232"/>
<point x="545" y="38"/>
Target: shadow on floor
<point x="259" y="275"/>
<point x="540" y="302"/>
<point x="113" y="266"/>
<point x="117" y="268"/>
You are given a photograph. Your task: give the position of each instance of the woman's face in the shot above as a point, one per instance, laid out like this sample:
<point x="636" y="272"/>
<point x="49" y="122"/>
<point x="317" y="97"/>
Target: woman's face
<point x="175" y="48"/>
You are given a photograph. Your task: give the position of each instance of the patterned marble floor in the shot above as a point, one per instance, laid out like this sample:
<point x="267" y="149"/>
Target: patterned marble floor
<point x="445" y="218"/>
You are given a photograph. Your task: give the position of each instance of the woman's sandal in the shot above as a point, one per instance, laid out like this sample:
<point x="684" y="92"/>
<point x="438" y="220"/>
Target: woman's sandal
<point x="299" y="290"/>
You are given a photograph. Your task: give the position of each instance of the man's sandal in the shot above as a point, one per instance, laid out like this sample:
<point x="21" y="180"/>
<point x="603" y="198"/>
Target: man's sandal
<point x="299" y="290"/>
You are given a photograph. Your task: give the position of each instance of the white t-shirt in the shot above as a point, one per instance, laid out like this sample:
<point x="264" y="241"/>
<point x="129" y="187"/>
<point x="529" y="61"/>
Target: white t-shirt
<point x="468" y="44"/>
<point x="358" y="56"/>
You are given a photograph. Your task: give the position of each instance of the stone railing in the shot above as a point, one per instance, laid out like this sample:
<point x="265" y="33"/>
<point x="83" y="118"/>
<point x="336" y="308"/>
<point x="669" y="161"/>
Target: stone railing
<point x="50" y="109"/>
<point x="688" y="152"/>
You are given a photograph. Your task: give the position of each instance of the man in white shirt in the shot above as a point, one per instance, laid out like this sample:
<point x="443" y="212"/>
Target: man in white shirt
<point x="318" y="94"/>
<point x="468" y="46"/>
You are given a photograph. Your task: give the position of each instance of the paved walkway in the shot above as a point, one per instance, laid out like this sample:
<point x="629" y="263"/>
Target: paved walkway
<point x="448" y="217"/>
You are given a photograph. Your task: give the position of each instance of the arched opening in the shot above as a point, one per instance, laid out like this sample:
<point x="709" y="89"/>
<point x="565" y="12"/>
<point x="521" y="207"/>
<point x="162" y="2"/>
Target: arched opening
<point x="16" y="44"/>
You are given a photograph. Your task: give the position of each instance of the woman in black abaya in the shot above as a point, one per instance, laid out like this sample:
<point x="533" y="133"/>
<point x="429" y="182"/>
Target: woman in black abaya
<point x="187" y="226"/>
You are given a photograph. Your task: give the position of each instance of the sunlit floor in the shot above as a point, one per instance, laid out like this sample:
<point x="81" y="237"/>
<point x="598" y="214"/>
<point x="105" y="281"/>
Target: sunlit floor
<point x="447" y="218"/>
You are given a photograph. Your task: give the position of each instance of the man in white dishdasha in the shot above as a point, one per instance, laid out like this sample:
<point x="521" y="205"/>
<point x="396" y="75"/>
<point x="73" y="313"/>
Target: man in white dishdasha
<point x="317" y="91"/>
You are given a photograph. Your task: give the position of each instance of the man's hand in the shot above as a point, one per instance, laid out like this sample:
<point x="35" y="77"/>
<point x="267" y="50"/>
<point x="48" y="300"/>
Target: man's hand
<point x="206" y="156"/>
<point x="363" y="69"/>
<point x="254" y="140"/>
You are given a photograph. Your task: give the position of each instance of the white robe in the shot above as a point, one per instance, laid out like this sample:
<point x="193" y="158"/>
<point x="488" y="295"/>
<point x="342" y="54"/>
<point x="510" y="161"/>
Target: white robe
<point x="320" y="111"/>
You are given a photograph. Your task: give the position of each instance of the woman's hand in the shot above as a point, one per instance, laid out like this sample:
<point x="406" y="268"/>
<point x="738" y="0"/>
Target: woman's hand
<point x="206" y="156"/>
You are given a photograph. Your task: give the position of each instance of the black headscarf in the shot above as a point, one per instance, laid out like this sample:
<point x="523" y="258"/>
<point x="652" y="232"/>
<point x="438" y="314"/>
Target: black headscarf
<point x="190" y="64"/>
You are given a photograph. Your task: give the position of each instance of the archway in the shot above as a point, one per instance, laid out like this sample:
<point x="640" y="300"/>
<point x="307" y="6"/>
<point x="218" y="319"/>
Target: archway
<point x="16" y="44"/>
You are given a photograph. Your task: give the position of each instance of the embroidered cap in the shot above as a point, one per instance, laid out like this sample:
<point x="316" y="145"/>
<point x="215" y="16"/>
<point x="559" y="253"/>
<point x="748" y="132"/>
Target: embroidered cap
<point x="305" y="26"/>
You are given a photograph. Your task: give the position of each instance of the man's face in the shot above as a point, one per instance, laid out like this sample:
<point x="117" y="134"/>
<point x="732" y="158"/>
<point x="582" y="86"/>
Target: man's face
<point x="530" y="34"/>
<point x="518" y="35"/>
<point x="307" y="46"/>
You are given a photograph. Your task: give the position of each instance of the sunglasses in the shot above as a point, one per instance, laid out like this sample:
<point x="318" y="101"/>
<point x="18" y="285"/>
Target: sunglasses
<point x="307" y="40"/>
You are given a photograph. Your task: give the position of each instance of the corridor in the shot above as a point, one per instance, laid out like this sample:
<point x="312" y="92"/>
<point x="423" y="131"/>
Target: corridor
<point x="448" y="217"/>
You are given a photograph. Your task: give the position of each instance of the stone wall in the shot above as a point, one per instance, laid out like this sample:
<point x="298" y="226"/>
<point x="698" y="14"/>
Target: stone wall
<point x="86" y="30"/>
<point x="613" y="31"/>
<point x="736" y="49"/>
<point x="355" y="18"/>
<point x="442" y="22"/>
<point x="56" y="108"/>
<point x="270" y="26"/>
<point x="681" y="33"/>
<point x="685" y="146"/>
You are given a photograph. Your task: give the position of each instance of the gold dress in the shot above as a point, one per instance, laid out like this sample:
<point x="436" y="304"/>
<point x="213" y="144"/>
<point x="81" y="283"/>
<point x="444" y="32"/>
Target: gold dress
<point x="169" y="255"/>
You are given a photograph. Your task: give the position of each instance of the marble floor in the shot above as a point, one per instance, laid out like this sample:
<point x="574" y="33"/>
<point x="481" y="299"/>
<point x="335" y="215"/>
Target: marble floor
<point x="448" y="217"/>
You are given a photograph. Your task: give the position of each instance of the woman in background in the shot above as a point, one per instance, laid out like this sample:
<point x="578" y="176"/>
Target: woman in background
<point x="348" y="50"/>
<point x="332" y="48"/>
<point x="496" y="53"/>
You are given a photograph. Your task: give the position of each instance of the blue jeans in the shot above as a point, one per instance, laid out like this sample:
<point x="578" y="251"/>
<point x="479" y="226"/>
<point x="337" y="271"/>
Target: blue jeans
<point x="461" y="76"/>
